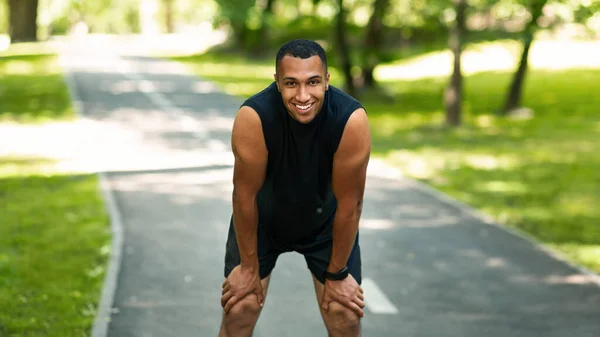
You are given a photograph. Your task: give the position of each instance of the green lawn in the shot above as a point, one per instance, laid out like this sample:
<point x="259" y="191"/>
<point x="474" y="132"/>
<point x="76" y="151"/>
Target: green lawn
<point x="54" y="237"/>
<point x="32" y="88"/>
<point x="539" y="175"/>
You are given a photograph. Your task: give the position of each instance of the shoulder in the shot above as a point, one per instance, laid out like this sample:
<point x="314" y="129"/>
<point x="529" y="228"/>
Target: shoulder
<point x="263" y="100"/>
<point x="342" y="103"/>
<point x="356" y="137"/>
<point x="247" y="128"/>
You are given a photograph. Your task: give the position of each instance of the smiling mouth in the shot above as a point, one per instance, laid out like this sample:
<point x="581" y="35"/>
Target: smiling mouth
<point x="303" y="107"/>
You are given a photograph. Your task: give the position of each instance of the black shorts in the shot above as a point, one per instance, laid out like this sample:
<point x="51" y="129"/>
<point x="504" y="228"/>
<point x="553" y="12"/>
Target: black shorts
<point x="316" y="252"/>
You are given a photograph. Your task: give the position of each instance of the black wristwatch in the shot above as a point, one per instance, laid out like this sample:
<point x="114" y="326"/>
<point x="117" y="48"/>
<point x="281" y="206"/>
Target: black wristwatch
<point x="340" y="275"/>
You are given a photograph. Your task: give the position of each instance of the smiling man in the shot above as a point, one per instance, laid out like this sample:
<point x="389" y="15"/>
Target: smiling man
<point x="301" y="150"/>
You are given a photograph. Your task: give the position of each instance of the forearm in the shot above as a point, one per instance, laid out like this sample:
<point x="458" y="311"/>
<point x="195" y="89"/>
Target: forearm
<point x="245" y="220"/>
<point x="345" y="227"/>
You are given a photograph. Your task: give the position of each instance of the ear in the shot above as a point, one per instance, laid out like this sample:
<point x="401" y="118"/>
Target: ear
<point x="276" y="81"/>
<point x="327" y="81"/>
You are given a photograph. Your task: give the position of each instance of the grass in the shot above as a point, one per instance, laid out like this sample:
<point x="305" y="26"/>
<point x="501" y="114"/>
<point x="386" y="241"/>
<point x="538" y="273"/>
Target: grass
<point x="32" y="88"/>
<point x="54" y="238"/>
<point x="538" y="175"/>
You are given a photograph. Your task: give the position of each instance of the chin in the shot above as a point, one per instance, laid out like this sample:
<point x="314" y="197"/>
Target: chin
<point x="304" y="119"/>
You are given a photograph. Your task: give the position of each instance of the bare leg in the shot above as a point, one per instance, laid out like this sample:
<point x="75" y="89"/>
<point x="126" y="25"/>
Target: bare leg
<point x="339" y="320"/>
<point x="242" y="317"/>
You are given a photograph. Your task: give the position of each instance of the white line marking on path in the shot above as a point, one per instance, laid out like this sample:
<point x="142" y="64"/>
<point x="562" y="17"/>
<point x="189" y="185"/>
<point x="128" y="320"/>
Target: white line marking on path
<point x="375" y="299"/>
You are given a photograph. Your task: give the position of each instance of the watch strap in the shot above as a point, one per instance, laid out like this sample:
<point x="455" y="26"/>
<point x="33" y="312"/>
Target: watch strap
<point x="340" y="275"/>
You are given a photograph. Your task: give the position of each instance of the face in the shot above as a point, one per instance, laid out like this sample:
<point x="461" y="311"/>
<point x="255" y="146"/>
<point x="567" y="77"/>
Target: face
<point x="302" y="84"/>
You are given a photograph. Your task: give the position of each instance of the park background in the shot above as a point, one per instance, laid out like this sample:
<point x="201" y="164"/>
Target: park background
<point x="493" y="102"/>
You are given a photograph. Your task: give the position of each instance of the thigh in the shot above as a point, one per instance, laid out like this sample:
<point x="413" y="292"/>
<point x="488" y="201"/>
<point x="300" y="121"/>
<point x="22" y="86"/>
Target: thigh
<point x="267" y="252"/>
<point x="318" y="255"/>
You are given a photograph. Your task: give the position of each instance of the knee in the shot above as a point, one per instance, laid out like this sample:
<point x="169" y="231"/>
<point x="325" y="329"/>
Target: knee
<point x="342" y="318"/>
<point x="245" y="312"/>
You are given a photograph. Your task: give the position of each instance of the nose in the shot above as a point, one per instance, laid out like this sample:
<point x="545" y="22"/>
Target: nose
<point x="302" y="95"/>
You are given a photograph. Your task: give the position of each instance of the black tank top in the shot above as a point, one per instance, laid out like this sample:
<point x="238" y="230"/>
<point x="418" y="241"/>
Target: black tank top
<point x="296" y="201"/>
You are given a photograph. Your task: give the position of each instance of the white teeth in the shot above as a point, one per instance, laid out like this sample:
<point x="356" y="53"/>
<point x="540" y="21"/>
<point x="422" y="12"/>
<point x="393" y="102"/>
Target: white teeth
<point x="303" y="107"/>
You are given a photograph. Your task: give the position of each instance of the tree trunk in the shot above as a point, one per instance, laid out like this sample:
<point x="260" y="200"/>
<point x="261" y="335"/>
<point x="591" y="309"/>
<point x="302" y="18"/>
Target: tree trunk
<point x="515" y="92"/>
<point x="344" y="51"/>
<point x="23" y="20"/>
<point x="372" y="42"/>
<point x="267" y="16"/>
<point x="453" y="95"/>
<point x="513" y="99"/>
<point x="169" y="22"/>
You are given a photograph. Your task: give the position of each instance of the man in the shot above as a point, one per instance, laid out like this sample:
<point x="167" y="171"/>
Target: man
<point x="301" y="150"/>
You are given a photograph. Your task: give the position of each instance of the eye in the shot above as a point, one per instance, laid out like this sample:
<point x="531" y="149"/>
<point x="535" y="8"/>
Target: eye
<point x="289" y="84"/>
<point x="313" y="82"/>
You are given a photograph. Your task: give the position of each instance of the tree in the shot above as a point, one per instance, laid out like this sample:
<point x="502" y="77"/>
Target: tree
<point x="235" y="14"/>
<point x="169" y="22"/>
<point x="515" y="92"/>
<point x="373" y="41"/>
<point x="267" y="18"/>
<point x="23" y="20"/>
<point x="453" y="94"/>
<point x="344" y="50"/>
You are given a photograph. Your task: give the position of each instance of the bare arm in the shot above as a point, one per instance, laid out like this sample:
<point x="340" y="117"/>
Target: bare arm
<point x="250" y="153"/>
<point x="348" y="182"/>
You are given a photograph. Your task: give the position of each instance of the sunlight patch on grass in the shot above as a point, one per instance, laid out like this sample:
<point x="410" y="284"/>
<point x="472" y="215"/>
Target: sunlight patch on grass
<point x="498" y="56"/>
<point x="426" y="164"/>
<point x="579" y="204"/>
<point x="33" y="89"/>
<point x="512" y="187"/>
<point x="588" y="254"/>
<point x="28" y="48"/>
<point x="387" y="123"/>
<point x="489" y="161"/>
<point x="243" y="89"/>
<point x="14" y="166"/>
<point x="236" y="70"/>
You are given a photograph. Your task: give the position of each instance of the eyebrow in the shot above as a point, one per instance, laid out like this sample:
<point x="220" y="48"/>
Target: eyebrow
<point x="310" y="78"/>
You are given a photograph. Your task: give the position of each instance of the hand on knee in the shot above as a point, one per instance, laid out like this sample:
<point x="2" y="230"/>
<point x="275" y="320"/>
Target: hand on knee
<point x="244" y="313"/>
<point x="341" y="319"/>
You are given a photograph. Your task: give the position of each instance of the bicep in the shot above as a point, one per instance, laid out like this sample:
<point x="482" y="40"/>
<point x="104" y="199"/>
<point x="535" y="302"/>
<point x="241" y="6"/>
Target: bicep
<point x="351" y="159"/>
<point x="250" y="152"/>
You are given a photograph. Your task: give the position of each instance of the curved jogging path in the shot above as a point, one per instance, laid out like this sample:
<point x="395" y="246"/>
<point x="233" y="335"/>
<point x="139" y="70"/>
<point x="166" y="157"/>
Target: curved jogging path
<point x="432" y="268"/>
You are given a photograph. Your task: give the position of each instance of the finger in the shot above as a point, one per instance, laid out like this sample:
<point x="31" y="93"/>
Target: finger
<point x="361" y="290"/>
<point x="325" y="302"/>
<point x="359" y="302"/>
<point x="357" y="309"/>
<point x="232" y="301"/>
<point x="361" y="296"/>
<point x="226" y="298"/>
<point x="224" y="283"/>
<point x="260" y="297"/>
<point x="226" y="289"/>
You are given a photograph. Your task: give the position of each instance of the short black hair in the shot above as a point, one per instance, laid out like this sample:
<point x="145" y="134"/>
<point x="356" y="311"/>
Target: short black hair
<point x="303" y="49"/>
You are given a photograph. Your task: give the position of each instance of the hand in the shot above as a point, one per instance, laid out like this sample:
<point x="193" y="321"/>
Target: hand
<point x="242" y="281"/>
<point x="346" y="292"/>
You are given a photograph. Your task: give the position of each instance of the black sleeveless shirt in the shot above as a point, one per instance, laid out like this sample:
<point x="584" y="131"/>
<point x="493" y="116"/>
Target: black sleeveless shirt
<point x="296" y="201"/>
